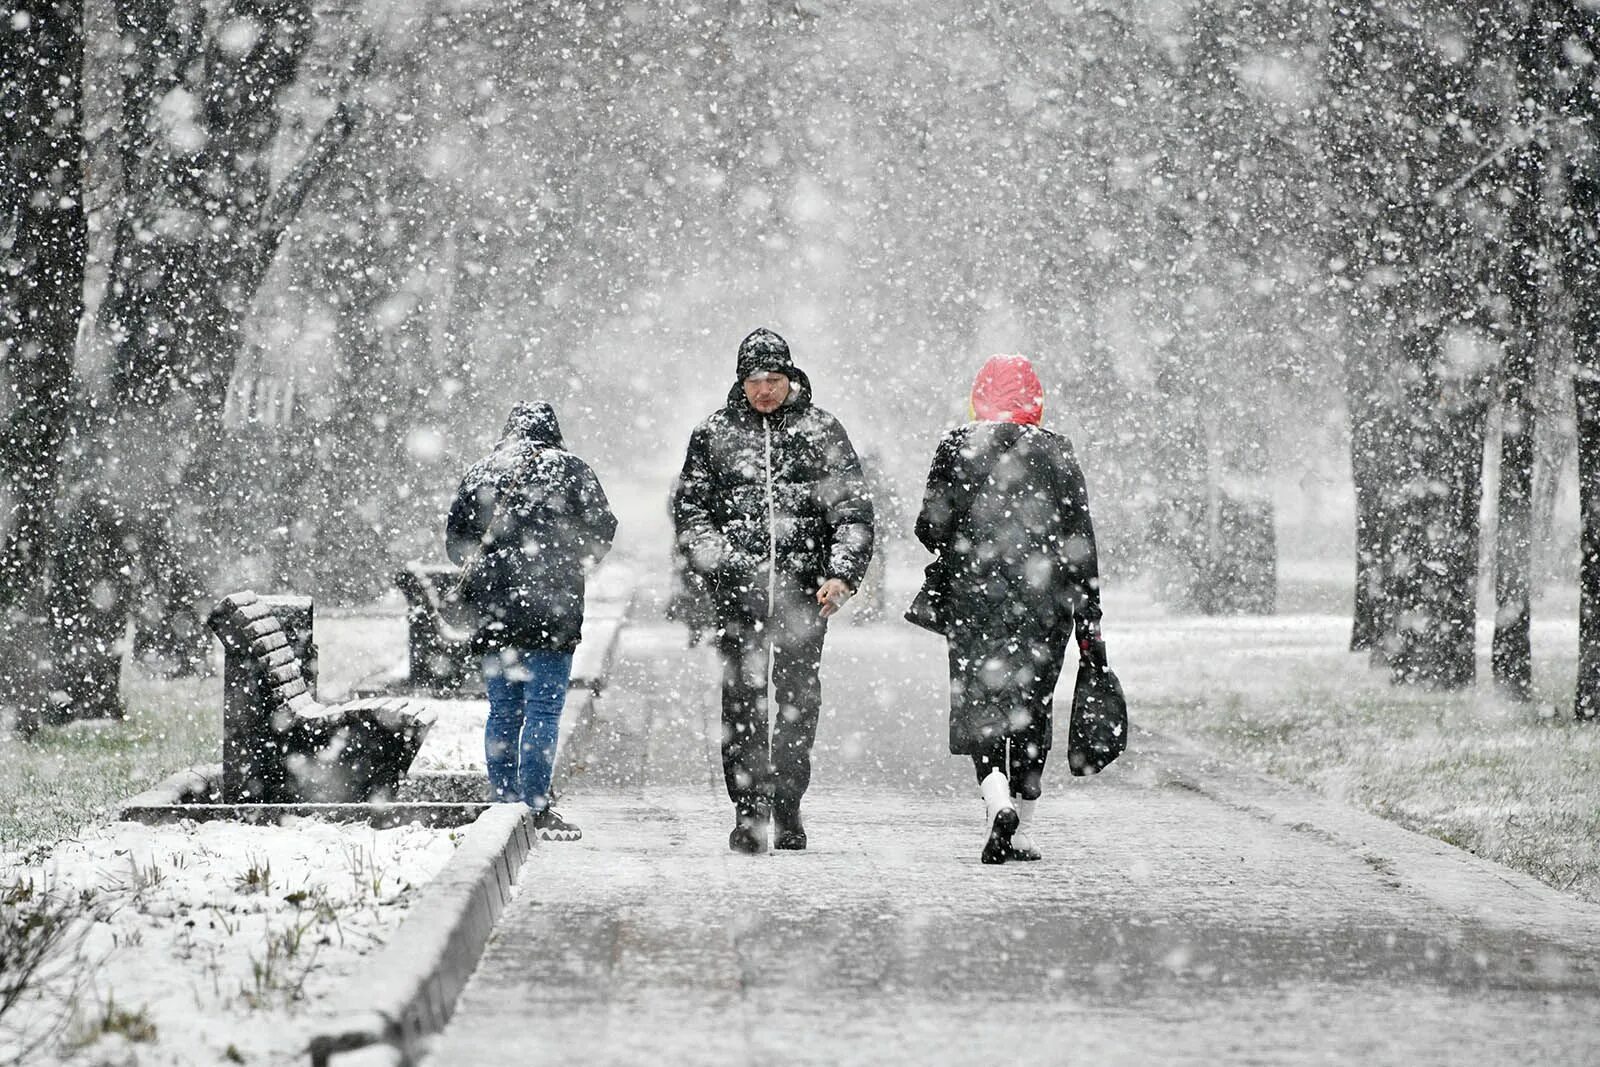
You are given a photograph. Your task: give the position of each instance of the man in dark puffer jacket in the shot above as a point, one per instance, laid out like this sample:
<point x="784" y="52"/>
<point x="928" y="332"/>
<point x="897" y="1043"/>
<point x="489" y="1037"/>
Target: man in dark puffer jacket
<point x="773" y="513"/>
<point x="527" y="522"/>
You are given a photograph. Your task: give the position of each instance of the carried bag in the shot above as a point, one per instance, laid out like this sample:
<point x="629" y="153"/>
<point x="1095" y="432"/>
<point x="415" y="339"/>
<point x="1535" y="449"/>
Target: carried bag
<point x="930" y="607"/>
<point x="1099" y="730"/>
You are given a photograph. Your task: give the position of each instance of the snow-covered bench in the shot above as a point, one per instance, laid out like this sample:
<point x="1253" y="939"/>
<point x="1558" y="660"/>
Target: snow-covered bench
<point x="280" y="744"/>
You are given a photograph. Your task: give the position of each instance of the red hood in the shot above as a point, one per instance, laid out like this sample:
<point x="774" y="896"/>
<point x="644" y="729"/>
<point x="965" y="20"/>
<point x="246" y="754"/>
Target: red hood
<point x="1007" y="390"/>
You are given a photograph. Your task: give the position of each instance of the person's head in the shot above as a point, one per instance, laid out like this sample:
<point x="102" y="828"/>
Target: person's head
<point x="1007" y="390"/>
<point x="535" y="422"/>
<point x="766" y="370"/>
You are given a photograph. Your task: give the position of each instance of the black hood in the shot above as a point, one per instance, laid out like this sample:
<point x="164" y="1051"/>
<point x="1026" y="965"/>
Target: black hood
<point x="535" y="423"/>
<point x="764" y="350"/>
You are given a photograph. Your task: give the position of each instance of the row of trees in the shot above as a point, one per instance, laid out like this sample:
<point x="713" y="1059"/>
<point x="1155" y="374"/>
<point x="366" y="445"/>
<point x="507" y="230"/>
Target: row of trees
<point x="114" y="439"/>
<point x="325" y="241"/>
<point x="1460" y="149"/>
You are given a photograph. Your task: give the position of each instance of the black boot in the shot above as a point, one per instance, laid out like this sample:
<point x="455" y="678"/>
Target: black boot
<point x="749" y="833"/>
<point x="789" y="832"/>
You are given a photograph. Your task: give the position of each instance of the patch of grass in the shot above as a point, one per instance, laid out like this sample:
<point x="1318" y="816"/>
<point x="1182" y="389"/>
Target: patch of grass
<point x="68" y="776"/>
<point x="41" y="931"/>
<point x="278" y="973"/>
<point x="136" y="1025"/>
<point x="1515" y="783"/>
<point x="257" y="878"/>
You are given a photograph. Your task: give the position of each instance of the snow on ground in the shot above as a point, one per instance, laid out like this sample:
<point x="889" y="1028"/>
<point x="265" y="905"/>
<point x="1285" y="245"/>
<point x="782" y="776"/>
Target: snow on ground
<point x="212" y="942"/>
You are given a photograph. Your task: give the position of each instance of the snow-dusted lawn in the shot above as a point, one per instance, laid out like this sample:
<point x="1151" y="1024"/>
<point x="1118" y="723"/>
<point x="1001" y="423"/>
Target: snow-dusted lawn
<point x="198" y="942"/>
<point x="213" y="942"/>
<point x="69" y="777"/>
<point x="1518" y="784"/>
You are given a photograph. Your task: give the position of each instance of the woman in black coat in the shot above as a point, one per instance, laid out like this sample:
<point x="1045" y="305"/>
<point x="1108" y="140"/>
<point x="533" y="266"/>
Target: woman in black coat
<point x="1007" y="510"/>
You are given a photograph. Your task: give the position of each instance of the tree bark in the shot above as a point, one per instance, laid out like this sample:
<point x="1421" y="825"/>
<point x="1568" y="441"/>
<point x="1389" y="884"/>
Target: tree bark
<point x="1579" y="268"/>
<point x="43" y="246"/>
<point x="1434" y="578"/>
<point x="1511" y="656"/>
<point x="1586" y="402"/>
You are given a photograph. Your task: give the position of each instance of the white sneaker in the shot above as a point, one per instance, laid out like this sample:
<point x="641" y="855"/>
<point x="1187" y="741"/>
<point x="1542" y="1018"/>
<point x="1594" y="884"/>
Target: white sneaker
<point x="1022" y="846"/>
<point x="1001" y="815"/>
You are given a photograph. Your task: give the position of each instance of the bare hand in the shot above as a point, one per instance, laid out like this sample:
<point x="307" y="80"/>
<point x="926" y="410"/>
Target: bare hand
<point x="832" y="596"/>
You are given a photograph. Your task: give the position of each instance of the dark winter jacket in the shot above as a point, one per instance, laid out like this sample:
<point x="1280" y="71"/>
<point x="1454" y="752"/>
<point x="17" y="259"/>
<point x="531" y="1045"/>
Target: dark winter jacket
<point x="1007" y="507"/>
<point x="527" y="521"/>
<point x="772" y="502"/>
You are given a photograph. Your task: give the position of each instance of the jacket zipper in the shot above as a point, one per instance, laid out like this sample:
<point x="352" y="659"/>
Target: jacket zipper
<point x="772" y="527"/>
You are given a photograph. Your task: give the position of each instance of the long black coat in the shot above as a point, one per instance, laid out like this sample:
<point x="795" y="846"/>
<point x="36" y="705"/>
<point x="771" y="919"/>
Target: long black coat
<point x="776" y="498"/>
<point x="1007" y="507"/>
<point x="539" y="518"/>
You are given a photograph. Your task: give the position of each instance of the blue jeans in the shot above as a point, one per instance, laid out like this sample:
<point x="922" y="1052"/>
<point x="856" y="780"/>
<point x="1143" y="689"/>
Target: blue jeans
<point x="527" y="690"/>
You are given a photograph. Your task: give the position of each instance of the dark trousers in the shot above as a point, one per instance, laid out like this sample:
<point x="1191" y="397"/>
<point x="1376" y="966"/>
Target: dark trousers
<point x="759" y="777"/>
<point x="1024" y="767"/>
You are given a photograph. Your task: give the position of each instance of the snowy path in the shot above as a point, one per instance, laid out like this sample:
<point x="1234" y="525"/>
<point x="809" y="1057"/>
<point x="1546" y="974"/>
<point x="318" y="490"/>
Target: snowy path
<point x="1167" y="924"/>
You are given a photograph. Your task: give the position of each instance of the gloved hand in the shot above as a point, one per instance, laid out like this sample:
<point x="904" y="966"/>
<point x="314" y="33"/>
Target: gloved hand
<point x="1091" y="643"/>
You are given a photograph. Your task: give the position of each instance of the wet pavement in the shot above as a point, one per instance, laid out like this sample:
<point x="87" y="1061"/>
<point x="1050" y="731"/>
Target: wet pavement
<point x="1185" y="911"/>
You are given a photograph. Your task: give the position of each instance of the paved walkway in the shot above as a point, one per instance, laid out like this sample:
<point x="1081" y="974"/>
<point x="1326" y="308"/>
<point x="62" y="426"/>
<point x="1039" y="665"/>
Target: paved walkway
<point x="1185" y="912"/>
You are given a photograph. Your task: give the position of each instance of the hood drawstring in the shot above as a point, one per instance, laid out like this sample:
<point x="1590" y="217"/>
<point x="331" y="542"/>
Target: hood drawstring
<point x="772" y="525"/>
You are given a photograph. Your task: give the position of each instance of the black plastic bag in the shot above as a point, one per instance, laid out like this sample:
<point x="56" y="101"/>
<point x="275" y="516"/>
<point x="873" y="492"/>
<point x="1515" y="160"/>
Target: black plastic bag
<point x="930" y="609"/>
<point x="1099" y="730"/>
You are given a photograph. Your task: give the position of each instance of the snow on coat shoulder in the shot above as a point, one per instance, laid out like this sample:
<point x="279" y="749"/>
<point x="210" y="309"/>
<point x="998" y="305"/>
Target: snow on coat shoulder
<point x="527" y="521"/>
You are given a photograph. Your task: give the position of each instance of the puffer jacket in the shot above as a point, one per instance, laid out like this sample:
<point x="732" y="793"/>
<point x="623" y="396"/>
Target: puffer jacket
<point x="772" y="505"/>
<point x="527" y="521"/>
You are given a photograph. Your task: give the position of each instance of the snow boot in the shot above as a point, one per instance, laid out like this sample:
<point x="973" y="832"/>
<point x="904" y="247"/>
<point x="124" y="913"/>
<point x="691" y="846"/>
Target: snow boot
<point x="788" y="832"/>
<point x="1022" y="846"/>
<point x="1001" y="815"/>
<point x="749" y="833"/>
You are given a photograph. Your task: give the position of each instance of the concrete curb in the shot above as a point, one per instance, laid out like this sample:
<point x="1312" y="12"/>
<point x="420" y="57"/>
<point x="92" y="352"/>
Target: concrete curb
<point x="179" y="788"/>
<point x="409" y="987"/>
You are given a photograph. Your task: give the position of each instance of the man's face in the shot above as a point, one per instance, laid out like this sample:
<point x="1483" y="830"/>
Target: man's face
<point x="767" y="391"/>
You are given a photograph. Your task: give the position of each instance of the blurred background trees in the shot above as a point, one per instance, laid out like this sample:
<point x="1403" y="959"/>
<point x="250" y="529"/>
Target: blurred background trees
<point x="323" y="247"/>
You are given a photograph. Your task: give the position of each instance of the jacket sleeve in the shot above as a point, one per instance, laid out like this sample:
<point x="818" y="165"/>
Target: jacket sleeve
<point x="847" y="509"/>
<point x="596" y="523"/>
<point x="943" y="499"/>
<point x="469" y="519"/>
<point x="1080" y="558"/>
<point x="701" y="543"/>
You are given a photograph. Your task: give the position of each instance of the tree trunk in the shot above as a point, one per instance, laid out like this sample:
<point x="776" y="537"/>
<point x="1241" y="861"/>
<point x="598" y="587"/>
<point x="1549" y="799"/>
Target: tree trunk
<point x="1375" y="459"/>
<point x="1512" y="653"/>
<point x="1586" y="402"/>
<point x="43" y="245"/>
<point x="1434" y="578"/>
<point x="1511" y="657"/>
<point x="1579" y="252"/>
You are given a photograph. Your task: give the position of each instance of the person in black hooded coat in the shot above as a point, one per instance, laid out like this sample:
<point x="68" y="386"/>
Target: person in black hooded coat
<point x="528" y="521"/>
<point x="1007" y="510"/>
<point x="773" y="514"/>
